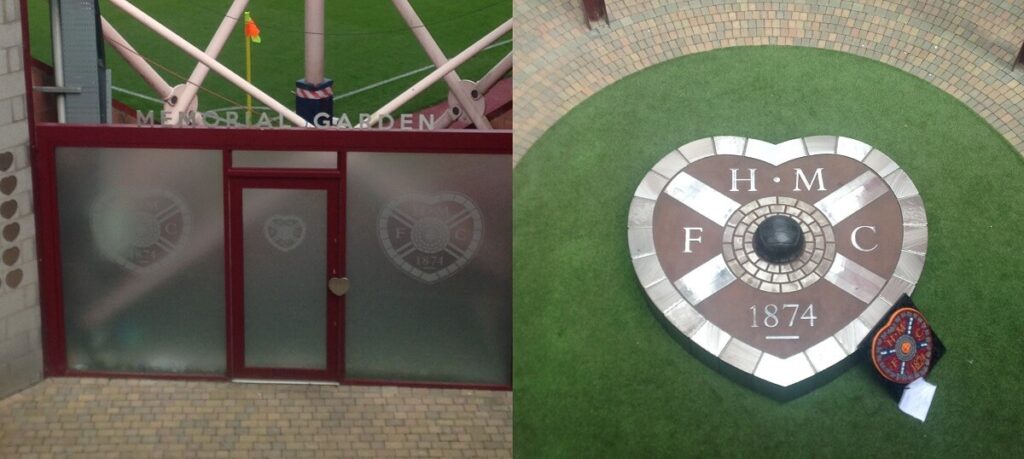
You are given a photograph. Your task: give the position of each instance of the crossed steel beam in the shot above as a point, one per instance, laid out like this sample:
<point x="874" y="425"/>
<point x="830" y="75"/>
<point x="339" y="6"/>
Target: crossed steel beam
<point x="439" y="73"/>
<point x="468" y="95"/>
<point x="208" y="60"/>
<point x="182" y="97"/>
<point x="466" y="100"/>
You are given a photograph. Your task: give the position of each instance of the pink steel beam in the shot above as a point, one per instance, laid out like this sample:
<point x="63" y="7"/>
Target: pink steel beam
<point x="438" y="58"/>
<point x="195" y="81"/>
<point x="446" y="119"/>
<point x="438" y="73"/>
<point x="485" y="84"/>
<point x="494" y="74"/>
<point x="197" y="54"/>
<point x="314" y="42"/>
<point x="135" y="60"/>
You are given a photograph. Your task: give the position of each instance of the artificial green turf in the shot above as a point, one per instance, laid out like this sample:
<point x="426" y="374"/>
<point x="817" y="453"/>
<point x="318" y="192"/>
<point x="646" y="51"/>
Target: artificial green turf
<point x="365" y="42"/>
<point x="596" y="375"/>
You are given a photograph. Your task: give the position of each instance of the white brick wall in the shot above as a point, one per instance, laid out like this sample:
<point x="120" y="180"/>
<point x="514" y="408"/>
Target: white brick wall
<point x="21" y="355"/>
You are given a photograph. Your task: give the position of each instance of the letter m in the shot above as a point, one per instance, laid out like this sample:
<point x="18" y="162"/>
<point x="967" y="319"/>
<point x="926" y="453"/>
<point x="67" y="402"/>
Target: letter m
<point x="808" y="184"/>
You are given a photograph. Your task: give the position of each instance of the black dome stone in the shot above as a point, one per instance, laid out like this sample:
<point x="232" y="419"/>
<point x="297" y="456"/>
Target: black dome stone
<point x="779" y="239"/>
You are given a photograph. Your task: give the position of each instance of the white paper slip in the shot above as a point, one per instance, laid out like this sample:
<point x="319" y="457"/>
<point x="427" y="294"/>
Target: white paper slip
<point x="917" y="398"/>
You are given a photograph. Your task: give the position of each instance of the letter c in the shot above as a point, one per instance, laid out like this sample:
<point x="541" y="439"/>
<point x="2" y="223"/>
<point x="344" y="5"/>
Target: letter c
<point x="856" y="245"/>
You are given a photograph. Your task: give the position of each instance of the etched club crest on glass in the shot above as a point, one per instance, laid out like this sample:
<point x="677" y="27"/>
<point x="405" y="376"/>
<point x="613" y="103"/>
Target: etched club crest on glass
<point x="141" y="230"/>
<point x="430" y="236"/>
<point x="284" y="232"/>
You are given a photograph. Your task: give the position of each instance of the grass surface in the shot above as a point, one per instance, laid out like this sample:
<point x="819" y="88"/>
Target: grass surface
<point x="596" y="375"/>
<point x="366" y="42"/>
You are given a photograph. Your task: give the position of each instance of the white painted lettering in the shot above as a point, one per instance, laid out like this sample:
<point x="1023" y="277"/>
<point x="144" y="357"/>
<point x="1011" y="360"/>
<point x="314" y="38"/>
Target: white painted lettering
<point x="427" y="122"/>
<point x="736" y="180"/>
<point x="264" y="121"/>
<point x="321" y="119"/>
<point x="344" y="122"/>
<point x="808" y="184"/>
<point x="143" y="118"/>
<point x="689" y="237"/>
<point x="856" y="244"/>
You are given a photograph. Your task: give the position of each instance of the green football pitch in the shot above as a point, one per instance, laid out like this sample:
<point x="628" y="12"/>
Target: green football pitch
<point x="366" y="43"/>
<point x="596" y="375"/>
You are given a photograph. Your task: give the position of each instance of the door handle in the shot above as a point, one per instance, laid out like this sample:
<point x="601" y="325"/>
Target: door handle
<point x="338" y="285"/>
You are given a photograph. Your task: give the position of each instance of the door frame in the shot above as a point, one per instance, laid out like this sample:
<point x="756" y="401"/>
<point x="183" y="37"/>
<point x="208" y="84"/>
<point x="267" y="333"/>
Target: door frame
<point x="48" y="137"/>
<point x="235" y="271"/>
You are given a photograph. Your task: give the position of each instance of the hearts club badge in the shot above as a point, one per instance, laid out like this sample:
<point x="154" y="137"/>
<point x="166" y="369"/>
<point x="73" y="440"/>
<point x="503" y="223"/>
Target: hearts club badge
<point x="776" y="259"/>
<point x="284" y="232"/>
<point x="902" y="349"/>
<point x="430" y="236"/>
<point x="141" y="230"/>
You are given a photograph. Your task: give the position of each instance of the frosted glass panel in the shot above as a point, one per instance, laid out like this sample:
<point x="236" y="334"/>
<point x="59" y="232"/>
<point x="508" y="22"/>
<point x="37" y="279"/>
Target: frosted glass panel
<point x="285" y="252"/>
<point x="285" y="159"/>
<point x="428" y="253"/>
<point x="142" y="259"/>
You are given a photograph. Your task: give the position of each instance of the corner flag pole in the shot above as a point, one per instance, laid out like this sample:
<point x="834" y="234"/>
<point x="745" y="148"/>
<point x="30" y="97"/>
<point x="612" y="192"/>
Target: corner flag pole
<point x="252" y="35"/>
<point x="248" y="78"/>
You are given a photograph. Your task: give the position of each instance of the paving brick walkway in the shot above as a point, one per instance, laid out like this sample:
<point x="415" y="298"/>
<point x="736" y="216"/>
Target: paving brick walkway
<point x="62" y="417"/>
<point x="964" y="47"/>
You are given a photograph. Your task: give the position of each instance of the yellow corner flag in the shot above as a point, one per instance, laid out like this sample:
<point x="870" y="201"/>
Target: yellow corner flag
<point x="252" y="32"/>
<point x="252" y="35"/>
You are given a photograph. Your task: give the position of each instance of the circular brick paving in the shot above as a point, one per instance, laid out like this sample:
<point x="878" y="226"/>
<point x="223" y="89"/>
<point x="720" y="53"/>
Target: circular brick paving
<point x="745" y="264"/>
<point x="964" y="47"/>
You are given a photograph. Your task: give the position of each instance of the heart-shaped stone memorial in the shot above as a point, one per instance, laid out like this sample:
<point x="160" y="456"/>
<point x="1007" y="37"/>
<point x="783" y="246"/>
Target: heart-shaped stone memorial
<point x="777" y="259"/>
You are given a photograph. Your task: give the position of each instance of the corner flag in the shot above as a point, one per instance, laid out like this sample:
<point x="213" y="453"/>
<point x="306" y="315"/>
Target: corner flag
<point x="252" y="32"/>
<point x="252" y="35"/>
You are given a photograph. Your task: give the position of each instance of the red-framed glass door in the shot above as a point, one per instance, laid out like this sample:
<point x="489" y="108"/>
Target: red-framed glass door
<point x="53" y="140"/>
<point x="284" y="248"/>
